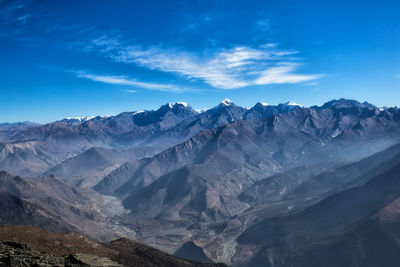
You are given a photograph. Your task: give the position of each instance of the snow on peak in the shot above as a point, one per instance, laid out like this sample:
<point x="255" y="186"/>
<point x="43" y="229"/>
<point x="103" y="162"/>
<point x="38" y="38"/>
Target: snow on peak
<point x="386" y="108"/>
<point x="183" y="104"/>
<point x="137" y="112"/>
<point x="82" y="119"/>
<point x="264" y="104"/>
<point x="201" y="110"/>
<point x="226" y="102"/>
<point x="171" y="105"/>
<point x="291" y="103"/>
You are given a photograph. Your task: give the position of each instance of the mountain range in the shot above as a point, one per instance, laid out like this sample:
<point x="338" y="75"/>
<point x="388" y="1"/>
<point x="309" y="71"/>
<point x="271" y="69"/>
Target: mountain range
<point x="271" y="185"/>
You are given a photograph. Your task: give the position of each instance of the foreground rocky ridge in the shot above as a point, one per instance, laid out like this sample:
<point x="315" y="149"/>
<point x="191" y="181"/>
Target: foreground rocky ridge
<point x="21" y="254"/>
<point x="29" y="246"/>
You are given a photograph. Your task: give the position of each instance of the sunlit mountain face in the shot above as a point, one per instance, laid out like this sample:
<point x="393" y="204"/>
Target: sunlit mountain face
<point x="203" y="133"/>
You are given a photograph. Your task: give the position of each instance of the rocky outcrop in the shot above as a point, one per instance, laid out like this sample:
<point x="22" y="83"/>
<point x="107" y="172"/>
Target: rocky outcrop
<point x="30" y="246"/>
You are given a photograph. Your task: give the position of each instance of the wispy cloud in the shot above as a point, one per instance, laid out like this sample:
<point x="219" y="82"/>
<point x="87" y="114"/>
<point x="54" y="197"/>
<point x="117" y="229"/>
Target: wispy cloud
<point x="222" y="68"/>
<point x="233" y="68"/>
<point x="22" y="19"/>
<point x="284" y="74"/>
<point x="127" y="81"/>
<point x="13" y="12"/>
<point x="129" y="91"/>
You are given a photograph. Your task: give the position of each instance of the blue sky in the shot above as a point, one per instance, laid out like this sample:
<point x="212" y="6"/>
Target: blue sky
<point x="73" y="58"/>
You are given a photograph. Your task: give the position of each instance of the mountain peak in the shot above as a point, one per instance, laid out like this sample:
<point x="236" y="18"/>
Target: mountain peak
<point x="346" y="103"/>
<point x="171" y="105"/>
<point x="80" y="119"/>
<point x="261" y="104"/>
<point x="174" y="106"/>
<point x="291" y="103"/>
<point x="139" y="111"/>
<point x="201" y="110"/>
<point x="226" y="102"/>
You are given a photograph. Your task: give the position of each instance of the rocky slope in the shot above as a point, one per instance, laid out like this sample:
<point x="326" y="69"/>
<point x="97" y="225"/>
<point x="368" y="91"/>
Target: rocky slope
<point x="8" y="130"/>
<point x="284" y="194"/>
<point x="53" y="204"/>
<point x="262" y="148"/>
<point x="62" y="139"/>
<point x="341" y="230"/>
<point x="178" y="197"/>
<point x="20" y="245"/>
<point x="17" y="211"/>
<point x="27" y="158"/>
<point x="89" y="168"/>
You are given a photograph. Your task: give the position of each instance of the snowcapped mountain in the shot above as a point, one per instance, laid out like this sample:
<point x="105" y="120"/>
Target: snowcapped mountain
<point x="226" y="102"/>
<point x="180" y="176"/>
<point x="171" y="124"/>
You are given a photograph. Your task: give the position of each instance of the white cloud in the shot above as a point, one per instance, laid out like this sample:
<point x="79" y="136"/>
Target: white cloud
<point x="233" y="68"/>
<point x="283" y="74"/>
<point x="123" y="80"/>
<point x="129" y="91"/>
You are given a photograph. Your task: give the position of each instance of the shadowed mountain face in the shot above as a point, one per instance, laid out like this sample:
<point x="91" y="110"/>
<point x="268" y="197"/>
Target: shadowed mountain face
<point x="51" y="203"/>
<point x="85" y="169"/>
<point x="315" y="181"/>
<point x="17" y="211"/>
<point x="341" y="230"/>
<point x="10" y="129"/>
<point x="282" y="194"/>
<point x="89" y="167"/>
<point x="191" y="251"/>
<point x="277" y="186"/>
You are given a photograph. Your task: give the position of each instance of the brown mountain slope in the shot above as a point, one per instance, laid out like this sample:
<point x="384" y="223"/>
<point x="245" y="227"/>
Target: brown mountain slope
<point x="122" y="251"/>
<point x="17" y="211"/>
<point x="77" y="207"/>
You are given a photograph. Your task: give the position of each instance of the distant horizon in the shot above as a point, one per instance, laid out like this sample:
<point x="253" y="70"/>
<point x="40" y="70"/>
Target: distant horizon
<point x="194" y="108"/>
<point x="69" y="59"/>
